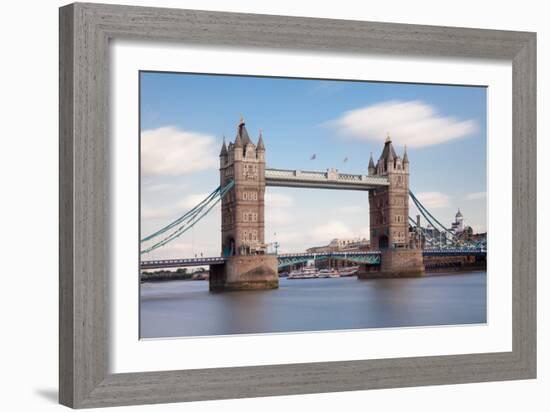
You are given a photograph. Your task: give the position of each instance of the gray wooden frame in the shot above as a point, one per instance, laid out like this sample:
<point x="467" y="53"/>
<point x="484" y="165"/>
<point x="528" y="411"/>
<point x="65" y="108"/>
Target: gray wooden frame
<point x="85" y="31"/>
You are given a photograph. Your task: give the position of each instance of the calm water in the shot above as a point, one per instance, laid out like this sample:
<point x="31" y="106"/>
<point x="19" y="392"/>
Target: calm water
<point x="186" y="308"/>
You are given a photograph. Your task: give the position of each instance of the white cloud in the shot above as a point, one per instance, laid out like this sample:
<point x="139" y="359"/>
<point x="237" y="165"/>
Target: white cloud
<point x="176" y="209"/>
<point x="278" y="200"/>
<point x="192" y="200"/>
<point x="413" y="123"/>
<point x="354" y="209"/>
<point x="277" y="217"/>
<point x="162" y="187"/>
<point x="181" y="249"/>
<point x="365" y="232"/>
<point x="151" y="213"/>
<point x="287" y="237"/>
<point x="476" y="195"/>
<point x="278" y="208"/>
<point x="433" y="200"/>
<point x="170" y="151"/>
<point x="330" y="230"/>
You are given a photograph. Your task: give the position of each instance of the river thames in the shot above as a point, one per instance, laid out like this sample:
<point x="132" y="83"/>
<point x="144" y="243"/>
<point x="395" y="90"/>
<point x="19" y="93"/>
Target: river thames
<point x="186" y="308"/>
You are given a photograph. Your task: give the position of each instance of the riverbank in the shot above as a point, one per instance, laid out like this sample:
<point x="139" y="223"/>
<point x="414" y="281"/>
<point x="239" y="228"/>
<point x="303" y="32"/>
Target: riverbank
<point x="162" y="275"/>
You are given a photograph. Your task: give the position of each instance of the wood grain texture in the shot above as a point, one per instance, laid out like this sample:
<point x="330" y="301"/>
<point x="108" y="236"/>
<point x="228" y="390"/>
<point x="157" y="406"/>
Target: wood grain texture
<point x="66" y="228"/>
<point x="85" y="31"/>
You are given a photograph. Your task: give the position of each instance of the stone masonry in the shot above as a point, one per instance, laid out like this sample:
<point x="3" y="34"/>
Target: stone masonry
<point x="389" y="219"/>
<point x="242" y="209"/>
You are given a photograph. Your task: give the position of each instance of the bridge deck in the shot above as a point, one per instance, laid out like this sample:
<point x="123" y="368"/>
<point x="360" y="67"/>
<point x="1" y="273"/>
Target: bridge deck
<point x="179" y="263"/>
<point x="354" y="256"/>
<point x="331" y="179"/>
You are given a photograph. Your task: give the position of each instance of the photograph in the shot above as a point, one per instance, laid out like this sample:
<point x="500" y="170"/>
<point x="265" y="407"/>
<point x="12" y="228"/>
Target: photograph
<point x="277" y="205"/>
<point x="287" y="205"/>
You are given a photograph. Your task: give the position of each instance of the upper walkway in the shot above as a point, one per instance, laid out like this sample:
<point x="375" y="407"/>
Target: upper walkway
<point x="331" y="179"/>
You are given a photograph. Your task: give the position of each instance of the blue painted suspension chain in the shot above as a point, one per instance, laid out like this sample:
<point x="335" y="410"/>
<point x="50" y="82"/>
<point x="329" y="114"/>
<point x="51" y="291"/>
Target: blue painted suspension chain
<point x="188" y="215"/>
<point x="189" y="219"/>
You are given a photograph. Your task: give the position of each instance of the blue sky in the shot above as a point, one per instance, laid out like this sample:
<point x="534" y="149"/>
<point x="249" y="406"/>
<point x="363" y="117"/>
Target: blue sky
<point x="184" y="116"/>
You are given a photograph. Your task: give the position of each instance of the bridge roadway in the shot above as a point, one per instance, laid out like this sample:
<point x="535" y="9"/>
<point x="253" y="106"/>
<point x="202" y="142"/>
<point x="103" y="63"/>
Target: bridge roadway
<point x="371" y="257"/>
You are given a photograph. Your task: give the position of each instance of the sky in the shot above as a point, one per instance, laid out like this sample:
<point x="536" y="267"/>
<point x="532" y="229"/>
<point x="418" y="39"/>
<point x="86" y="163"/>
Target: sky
<point x="184" y="118"/>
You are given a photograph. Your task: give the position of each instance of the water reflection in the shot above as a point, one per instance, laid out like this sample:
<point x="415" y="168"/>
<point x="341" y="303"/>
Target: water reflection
<point x="186" y="308"/>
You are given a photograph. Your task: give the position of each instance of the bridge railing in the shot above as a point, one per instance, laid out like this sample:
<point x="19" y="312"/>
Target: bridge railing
<point x="303" y="254"/>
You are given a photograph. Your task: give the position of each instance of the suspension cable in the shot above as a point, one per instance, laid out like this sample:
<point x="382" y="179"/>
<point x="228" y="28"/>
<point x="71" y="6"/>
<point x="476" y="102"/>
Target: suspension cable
<point x="420" y="205"/>
<point x="192" y="218"/>
<point x="189" y="214"/>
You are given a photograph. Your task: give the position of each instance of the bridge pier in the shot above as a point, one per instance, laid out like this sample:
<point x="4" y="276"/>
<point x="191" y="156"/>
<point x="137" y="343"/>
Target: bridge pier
<point x="246" y="272"/>
<point x="395" y="263"/>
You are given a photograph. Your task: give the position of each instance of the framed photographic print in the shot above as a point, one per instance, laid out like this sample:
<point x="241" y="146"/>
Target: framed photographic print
<point x="258" y="205"/>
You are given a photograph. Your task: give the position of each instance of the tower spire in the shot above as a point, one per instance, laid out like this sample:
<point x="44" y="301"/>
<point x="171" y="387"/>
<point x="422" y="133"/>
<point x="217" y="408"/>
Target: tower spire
<point x="223" y="152"/>
<point x="372" y="168"/>
<point x="405" y="157"/>
<point x="242" y="133"/>
<point x="260" y="145"/>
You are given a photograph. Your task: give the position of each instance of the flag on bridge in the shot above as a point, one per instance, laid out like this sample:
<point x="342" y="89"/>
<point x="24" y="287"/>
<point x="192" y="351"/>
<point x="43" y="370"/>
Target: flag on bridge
<point x="313" y="157"/>
<point x="345" y="159"/>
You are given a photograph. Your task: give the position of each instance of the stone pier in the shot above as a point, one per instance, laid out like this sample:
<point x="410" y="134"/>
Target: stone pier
<point x="245" y="273"/>
<point x="396" y="263"/>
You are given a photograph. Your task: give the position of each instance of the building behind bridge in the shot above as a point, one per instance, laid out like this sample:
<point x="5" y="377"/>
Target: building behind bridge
<point x="458" y="230"/>
<point x="355" y="244"/>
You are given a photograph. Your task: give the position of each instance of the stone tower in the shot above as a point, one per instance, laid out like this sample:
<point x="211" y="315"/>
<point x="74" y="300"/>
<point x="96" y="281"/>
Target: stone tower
<point x="389" y="207"/>
<point x="389" y="217"/>
<point x="243" y="207"/>
<point x="242" y="231"/>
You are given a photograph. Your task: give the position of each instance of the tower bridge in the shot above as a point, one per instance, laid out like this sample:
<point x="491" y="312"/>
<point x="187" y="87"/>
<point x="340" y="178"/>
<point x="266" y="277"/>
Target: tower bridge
<point x="244" y="262"/>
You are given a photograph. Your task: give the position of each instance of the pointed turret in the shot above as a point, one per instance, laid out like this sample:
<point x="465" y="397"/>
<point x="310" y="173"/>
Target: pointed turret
<point x="260" y="145"/>
<point x="223" y="152"/>
<point x="405" y="157"/>
<point x="372" y="168"/>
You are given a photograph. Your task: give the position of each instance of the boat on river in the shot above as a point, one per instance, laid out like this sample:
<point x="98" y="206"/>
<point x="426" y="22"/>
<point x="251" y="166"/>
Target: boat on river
<point x="329" y="273"/>
<point x="304" y="273"/>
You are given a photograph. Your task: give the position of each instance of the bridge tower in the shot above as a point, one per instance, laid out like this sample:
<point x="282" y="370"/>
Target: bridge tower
<point x="242" y="229"/>
<point x="389" y="217"/>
